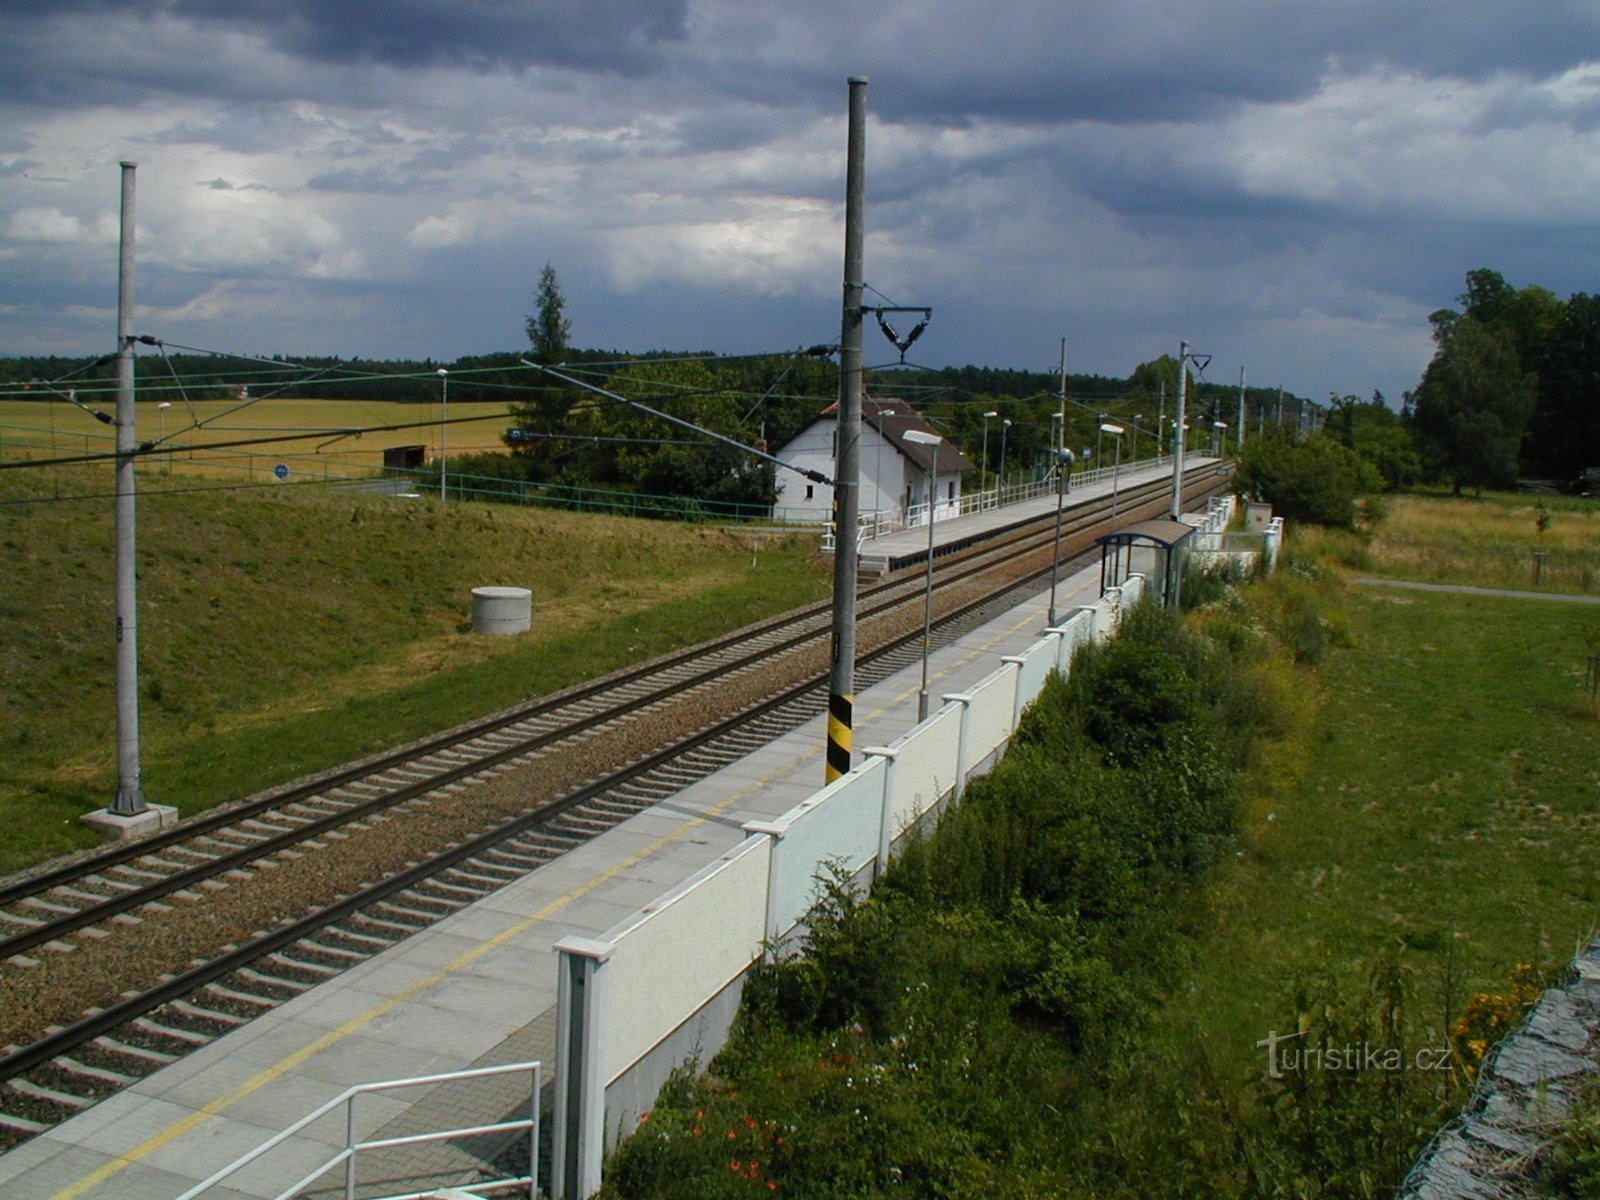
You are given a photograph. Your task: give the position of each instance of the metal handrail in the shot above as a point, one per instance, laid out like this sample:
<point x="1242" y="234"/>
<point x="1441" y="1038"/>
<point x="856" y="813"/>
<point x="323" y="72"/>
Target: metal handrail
<point x="352" y="1147"/>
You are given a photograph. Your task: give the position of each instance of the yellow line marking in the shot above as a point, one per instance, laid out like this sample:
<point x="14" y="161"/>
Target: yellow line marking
<point x="267" y="1075"/>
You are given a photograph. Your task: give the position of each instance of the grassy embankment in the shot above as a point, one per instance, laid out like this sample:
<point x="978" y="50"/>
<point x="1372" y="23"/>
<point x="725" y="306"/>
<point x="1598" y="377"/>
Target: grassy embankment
<point x="284" y="630"/>
<point x="1418" y="821"/>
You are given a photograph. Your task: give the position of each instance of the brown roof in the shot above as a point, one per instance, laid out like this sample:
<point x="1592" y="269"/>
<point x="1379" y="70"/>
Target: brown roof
<point x="892" y="418"/>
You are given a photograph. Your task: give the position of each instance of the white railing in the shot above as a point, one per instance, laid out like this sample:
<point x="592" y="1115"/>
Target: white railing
<point x="352" y="1147"/>
<point x="629" y="999"/>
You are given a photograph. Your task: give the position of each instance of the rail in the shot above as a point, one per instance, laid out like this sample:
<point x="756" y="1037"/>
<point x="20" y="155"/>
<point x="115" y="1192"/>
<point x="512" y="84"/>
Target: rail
<point x="347" y="1157"/>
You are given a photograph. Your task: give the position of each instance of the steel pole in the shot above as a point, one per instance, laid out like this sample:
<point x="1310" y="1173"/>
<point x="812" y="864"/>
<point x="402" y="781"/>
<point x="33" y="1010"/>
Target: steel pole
<point x="1177" y="431"/>
<point x="130" y="795"/>
<point x="846" y="475"/>
<point x="1241" y="411"/>
<point x="927" y="592"/>
<point x="444" y="421"/>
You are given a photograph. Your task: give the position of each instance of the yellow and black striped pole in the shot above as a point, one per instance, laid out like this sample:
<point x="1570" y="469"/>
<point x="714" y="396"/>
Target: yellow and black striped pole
<point x="838" y="736"/>
<point x="846" y="476"/>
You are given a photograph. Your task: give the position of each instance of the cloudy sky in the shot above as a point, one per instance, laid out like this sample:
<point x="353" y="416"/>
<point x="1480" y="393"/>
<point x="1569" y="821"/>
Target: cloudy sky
<point x="1292" y="187"/>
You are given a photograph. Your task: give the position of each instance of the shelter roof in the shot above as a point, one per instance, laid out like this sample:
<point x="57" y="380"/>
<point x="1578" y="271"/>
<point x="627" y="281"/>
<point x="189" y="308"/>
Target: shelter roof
<point x="1162" y="532"/>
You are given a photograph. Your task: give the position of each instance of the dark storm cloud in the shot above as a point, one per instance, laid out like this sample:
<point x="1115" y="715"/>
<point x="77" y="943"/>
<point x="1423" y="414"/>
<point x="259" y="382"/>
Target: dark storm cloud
<point x="604" y="34"/>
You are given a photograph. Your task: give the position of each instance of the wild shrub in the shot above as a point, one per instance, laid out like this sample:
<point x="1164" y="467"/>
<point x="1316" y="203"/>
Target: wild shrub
<point x="934" y="1037"/>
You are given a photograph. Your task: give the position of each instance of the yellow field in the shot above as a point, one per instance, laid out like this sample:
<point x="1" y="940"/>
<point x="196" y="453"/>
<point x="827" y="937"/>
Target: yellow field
<point x="308" y="437"/>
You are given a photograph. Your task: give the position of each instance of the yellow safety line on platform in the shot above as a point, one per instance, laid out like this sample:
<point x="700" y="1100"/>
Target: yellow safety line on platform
<point x="220" y="1105"/>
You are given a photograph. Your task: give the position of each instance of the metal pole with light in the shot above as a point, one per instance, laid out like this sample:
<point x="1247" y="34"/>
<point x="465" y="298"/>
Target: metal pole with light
<point x="1220" y="440"/>
<point x="1063" y="476"/>
<point x="1178" y="427"/>
<point x="1115" y="431"/>
<point x="983" y="471"/>
<point x="999" y="494"/>
<point x="444" y="416"/>
<point x="162" y="434"/>
<point x="923" y="438"/>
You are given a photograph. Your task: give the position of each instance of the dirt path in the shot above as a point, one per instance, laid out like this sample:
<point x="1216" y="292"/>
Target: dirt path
<point x="1477" y="591"/>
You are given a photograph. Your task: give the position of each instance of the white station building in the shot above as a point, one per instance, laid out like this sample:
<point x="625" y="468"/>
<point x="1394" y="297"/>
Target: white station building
<point x="895" y="473"/>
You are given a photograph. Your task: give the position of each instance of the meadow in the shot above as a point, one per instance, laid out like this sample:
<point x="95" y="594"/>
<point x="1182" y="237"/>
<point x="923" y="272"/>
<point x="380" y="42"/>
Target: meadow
<point x="307" y="436"/>
<point x="285" y="629"/>
<point x="1493" y="540"/>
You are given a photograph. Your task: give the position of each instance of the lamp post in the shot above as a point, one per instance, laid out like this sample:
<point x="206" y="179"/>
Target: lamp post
<point x="1063" y="475"/>
<point x="1219" y="441"/>
<point x="1057" y="438"/>
<point x="1115" y="431"/>
<point x="1004" y="425"/>
<point x="444" y="416"/>
<point x="923" y="438"/>
<point x="161" y="410"/>
<point x="983" y="471"/>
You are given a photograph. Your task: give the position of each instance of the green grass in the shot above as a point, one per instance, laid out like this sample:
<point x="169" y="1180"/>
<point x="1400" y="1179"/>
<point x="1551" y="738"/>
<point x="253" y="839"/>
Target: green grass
<point x="1421" y="823"/>
<point x="285" y="630"/>
<point x="1445" y="809"/>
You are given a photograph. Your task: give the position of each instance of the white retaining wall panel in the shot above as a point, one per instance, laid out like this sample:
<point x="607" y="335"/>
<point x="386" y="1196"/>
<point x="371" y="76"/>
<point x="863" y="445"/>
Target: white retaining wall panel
<point x="989" y="714"/>
<point x="1038" y="661"/>
<point x="925" y="769"/>
<point x="838" y="824"/>
<point x="690" y="944"/>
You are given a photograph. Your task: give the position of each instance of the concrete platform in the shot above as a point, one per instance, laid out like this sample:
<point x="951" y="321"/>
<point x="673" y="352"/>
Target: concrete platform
<point x="907" y="546"/>
<point x="476" y="989"/>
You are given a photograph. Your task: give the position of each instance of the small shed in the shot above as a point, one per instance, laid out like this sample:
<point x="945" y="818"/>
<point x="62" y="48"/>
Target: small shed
<point x="1155" y="549"/>
<point x="403" y="458"/>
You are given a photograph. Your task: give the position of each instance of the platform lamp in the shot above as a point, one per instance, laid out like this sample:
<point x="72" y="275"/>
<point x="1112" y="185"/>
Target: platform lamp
<point x="1063" y="479"/>
<point x="983" y="471"/>
<point x="162" y="410"/>
<point x="1219" y="441"/>
<point x="1004" y="426"/>
<point x="924" y="438"/>
<point x="1115" y="431"/>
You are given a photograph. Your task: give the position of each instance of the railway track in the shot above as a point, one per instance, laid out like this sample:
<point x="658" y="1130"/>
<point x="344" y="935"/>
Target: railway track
<point x="159" y="946"/>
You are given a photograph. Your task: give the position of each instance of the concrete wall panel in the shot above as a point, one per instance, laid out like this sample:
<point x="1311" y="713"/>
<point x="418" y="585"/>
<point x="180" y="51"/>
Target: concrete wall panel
<point x="688" y="945"/>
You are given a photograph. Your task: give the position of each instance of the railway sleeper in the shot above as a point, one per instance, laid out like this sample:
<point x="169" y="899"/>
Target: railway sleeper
<point x="73" y="1066"/>
<point x="455" y="890"/>
<point x="232" y="996"/>
<point x="49" y="1095"/>
<point x="188" y="1038"/>
<point x="205" y="1015"/>
<point x="11" y="1123"/>
<point x="280" y="958"/>
<point x="367" y="918"/>
<point x="273" y="983"/>
<point x="338" y="953"/>
<point x="155" y="1058"/>
<point x="342" y="937"/>
<point x="413" y="919"/>
<point x="486" y="875"/>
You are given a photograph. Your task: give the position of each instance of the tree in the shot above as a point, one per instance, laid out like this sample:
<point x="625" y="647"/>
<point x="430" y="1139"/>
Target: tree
<point x="545" y="415"/>
<point x="548" y="327"/>
<point x="631" y="451"/>
<point x="1564" y="434"/>
<point x="1473" y="404"/>
<point x="1375" y="431"/>
<point x="1317" y="479"/>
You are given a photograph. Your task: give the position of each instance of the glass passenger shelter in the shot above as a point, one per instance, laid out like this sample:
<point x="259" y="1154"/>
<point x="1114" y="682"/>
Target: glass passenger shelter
<point x="1155" y="549"/>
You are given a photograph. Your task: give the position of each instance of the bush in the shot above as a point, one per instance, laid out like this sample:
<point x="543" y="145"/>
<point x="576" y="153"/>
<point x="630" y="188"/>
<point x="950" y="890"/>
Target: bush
<point x="1316" y="480"/>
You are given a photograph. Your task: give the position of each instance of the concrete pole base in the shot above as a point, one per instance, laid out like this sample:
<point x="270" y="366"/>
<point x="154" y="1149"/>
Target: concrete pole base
<point x="118" y="827"/>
